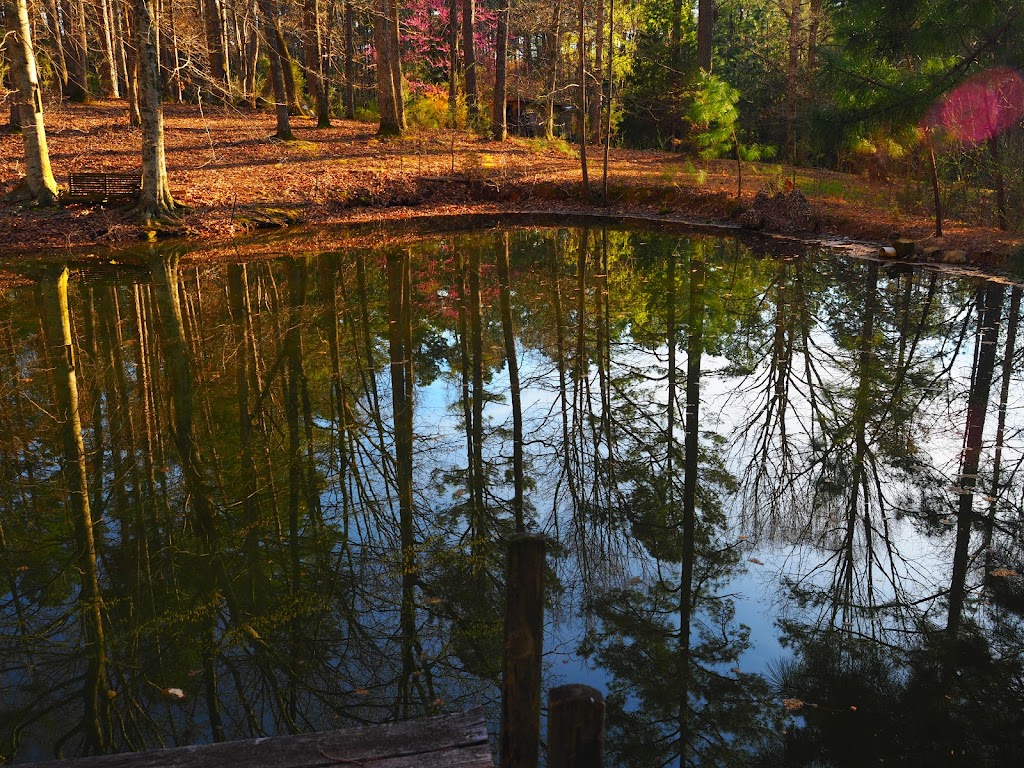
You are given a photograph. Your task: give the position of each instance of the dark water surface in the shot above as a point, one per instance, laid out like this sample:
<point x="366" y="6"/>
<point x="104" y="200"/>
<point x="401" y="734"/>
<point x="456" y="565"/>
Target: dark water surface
<point x="245" y="499"/>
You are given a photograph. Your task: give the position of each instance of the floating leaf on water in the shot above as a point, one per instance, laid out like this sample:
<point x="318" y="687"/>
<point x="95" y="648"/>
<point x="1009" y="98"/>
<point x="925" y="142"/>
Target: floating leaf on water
<point x="755" y="561"/>
<point x="174" y="693"/>
<point x="792" y="704"/>
<point x="635" y="581"/>
<point x="362" y="692"/>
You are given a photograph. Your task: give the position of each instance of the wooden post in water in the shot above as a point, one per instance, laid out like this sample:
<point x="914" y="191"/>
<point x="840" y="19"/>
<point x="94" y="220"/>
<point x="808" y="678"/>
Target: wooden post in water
<point x="524" y="644"/>
<point x="575" y="727"/>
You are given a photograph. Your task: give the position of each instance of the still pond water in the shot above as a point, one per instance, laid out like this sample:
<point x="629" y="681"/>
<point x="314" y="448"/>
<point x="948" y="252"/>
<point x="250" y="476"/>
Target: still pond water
<point x="281" y="503"/>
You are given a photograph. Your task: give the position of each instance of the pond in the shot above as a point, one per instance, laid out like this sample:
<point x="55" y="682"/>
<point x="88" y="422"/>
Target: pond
<point x="782" y="490"/>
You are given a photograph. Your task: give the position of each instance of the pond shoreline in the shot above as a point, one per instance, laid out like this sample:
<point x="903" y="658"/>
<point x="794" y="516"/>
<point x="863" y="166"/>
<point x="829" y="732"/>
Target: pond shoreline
<point x="240" y="180"/>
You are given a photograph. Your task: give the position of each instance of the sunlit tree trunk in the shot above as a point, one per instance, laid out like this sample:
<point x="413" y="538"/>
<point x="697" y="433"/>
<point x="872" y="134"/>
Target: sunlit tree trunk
<point x="453" y="60"/>
<point x="215" y="44"/>
<point x="42" y="187"/>
<point x="389" y="91"/>
<point x="277" y="64"/>
<point x="131" y="52"/>
<point x="313" y="47"/>
<point x="581" y="96"/>
<point x="554" y="37"/>
<point x="469" y="59"/>
<point x="78" y="50"/>
<point x="499" y="127"/>
<point x="350" y="63"/>
<point x="109" y="50"/>
<point x="155" y="200"/>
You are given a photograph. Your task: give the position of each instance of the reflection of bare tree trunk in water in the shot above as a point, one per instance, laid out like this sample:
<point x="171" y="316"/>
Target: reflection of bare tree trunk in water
<point x="691" y="448"/>
<point x="339" y="391"/>
<point x="563" y="388"/>
<point x="605" y="361"/>
<point x="145" y="382"/>
<point x="57" y="326"/>
<point x="990" y="307"/>
<point x="466" y="376"/>
<point x="509" y="335"/>
<point x="399" y="337"/>
<point x="238" y="306"/>
<point x="1004" y="394"/>
<point x="481" y="522"/>
<point x="99" y="372"/>
<point x="179" y="373"/>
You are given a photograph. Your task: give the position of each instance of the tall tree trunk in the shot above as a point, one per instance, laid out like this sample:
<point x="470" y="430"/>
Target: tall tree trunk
<point x="277" y="65"/>
<point x="469" y="59"/>
<point x="608" y="111"/>
<point x="109" y="50"/>
<point x="155" y="200"/>
<point x="705" y="22"/>
<point x="795" y="17"/>
<point x="396" y="59"/>
<point x="314" y="48"/>
<point x="78" y="49"/>
<point x="554" y="38"/>
<point x="131" y="50"/>
<point x="453" y="61"/>
<point x="57" y="34"/>
<point x="596" y="95"/>
<point x="389" y="98"/>
<point x="582" y="95"/>
<point x="350" y="64"/>
<point x="215" y="45"/>
<point x="499" y="127"/>
<point x="38" y="176"/>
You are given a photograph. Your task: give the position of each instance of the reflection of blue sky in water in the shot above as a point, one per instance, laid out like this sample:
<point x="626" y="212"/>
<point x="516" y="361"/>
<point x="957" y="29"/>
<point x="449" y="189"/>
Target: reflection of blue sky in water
<point x="777" y="538"/>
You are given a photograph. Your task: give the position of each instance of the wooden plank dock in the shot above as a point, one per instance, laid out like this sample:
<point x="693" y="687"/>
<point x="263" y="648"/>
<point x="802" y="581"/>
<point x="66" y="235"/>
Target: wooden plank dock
<point x="448" y="741"/>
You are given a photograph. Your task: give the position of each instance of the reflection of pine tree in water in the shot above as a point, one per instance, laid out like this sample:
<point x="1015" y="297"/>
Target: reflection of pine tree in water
<point x="677" y="688"/>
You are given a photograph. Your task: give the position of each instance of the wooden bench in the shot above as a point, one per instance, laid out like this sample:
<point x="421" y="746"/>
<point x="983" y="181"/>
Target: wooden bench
<point x="435" y="742"/>
<point x="101" y="187"/>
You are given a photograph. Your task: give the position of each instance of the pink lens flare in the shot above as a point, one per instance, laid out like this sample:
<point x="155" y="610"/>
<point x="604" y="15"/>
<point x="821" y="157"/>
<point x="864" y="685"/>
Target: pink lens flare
<point x="985" y="105"/>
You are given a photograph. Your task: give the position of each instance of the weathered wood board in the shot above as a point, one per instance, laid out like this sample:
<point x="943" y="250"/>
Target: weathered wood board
<point x="449" y="741"/>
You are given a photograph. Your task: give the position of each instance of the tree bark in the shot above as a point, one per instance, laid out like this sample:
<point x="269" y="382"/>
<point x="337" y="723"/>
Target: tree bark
<point x="78" y="72"/>
<point x="156" y="199"/>
<point x="350" y="64"/>
<point x="795" y="8"/>
<point x="29" y="99"/>
<point x="215" y="44"/>
<point x="109" y="50"/>
<point x="313" y="48"/>
<point x="469" y="59"/>
<point x="582" y="96"/>
<point x="554" y="49"/>
<point x="705" y="22"/>
<point x="277" y="64"/>
<point x="499" y="127"/>
<point x="392" y="118"/>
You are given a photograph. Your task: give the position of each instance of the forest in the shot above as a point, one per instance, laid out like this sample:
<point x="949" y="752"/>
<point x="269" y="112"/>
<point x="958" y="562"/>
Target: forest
<point x="919" y="97"/>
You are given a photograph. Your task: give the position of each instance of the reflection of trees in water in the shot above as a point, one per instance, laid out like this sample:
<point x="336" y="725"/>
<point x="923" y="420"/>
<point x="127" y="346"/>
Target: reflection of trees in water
<point x="289" y="529"/>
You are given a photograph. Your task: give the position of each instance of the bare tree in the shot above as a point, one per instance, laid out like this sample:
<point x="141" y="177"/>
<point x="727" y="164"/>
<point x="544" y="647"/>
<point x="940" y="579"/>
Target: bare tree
<point x="42" y="187"/>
